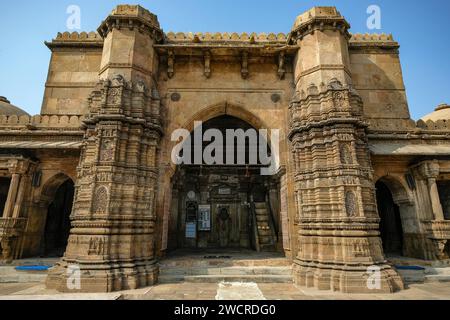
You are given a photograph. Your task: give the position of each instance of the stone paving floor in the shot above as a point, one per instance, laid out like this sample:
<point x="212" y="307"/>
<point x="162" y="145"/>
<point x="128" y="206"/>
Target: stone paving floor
<point x="224" y="291"/>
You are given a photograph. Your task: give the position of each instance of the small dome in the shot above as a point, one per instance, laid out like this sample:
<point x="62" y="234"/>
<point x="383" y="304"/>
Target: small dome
<point x="442" y="112"/>
<point x="7" y="109"/>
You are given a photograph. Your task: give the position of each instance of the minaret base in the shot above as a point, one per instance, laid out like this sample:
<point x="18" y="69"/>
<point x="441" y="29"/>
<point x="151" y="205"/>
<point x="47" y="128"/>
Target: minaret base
<point x="347" y="279"/>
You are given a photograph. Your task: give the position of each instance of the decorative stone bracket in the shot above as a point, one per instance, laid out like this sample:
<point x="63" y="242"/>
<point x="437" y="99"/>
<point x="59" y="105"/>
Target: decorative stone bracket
<point x="439" y="233"/>
<point x="244" y="65"/>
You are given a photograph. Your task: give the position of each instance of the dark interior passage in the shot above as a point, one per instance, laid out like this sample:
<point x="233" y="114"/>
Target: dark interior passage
<point x="225" y="205"/>
<point x="391" y="224"/>
<point x="4" y="189"/>
<point x="444" y="195"/>
<point x="57" y="227"/>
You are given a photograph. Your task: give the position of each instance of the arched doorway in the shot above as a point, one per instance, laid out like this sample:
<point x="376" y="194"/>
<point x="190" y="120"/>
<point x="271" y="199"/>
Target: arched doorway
<point x="391" y="224"/>
<point x="4" y="190"/>
<point x="444" y="195"/>
<point x="223" y="205"/>
<point x="57" y="225"/>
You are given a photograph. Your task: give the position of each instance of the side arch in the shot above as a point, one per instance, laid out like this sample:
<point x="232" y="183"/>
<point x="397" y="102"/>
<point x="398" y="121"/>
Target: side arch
<point x="214" y="111"/>
<point x="225" y="108"/>
<point x="398" y="189"/>
<point x="57" y="198"/>
<point x="405" y="207"/>
<point x="52" y="184"/>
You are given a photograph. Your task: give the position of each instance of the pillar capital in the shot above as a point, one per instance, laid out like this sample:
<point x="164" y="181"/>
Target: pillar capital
<point x="429" y="169"/>
<point x="19" y="165"/>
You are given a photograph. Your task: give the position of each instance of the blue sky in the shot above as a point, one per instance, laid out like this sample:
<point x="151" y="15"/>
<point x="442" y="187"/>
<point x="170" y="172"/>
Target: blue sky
<point x="421" y="27"/>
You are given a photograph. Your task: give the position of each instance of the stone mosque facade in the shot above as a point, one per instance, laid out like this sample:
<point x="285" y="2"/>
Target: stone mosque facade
<point x="90" y="179"/>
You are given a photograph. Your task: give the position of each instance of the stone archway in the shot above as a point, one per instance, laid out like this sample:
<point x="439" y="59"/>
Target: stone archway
<point x="58" y="193"/>
<point x="4" y="189"/>
<point x="222" y="188"/>
<point x="398" y="221"/>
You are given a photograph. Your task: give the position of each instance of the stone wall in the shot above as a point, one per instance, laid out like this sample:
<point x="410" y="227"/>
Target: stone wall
<point x="73" y="73"/>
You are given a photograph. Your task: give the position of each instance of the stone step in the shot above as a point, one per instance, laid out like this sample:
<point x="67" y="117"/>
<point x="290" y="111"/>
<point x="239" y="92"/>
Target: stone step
<point x="437" y="271"/>
<point x="437" y="274"/>
<point x="261" y="211"/>
<point x="10" y="275"/>
<point x="412" y="276"/>
<point x="437" y="278"/>
<point x="222" y="263"/>
<point x="268" y="247"/>
<point x="260" y="205"/>
<point x="227" y="278"/>
<point x="421" y="274"/>
<point x="228" y="271"/>
<point x="265" y="240"/>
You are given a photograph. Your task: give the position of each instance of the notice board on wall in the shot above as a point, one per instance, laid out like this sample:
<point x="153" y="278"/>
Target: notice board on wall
<point x="191" y="230"/>
<point x="204" y="218"/>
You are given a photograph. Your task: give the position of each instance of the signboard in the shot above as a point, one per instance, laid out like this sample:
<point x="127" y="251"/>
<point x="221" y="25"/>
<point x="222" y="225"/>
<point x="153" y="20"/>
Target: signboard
<point x="204" y="218"/>
<point x="191" y="230"/>
<point x="224" y="191"/>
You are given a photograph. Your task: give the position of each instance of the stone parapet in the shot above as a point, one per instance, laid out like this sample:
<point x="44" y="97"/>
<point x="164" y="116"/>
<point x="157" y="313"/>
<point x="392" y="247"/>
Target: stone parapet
<point x="383" y="40"/>
<point x="40" y="122"/>
<point x="408" y="125"/>
<point x="76" y="39"/>
<point x="227" y="37"/>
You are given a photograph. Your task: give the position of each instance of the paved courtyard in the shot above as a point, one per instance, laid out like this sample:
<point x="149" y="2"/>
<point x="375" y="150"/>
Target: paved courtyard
<point x="223" y="291"/>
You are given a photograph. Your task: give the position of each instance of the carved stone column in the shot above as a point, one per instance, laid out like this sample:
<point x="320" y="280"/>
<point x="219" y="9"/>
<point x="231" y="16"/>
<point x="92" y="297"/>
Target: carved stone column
<point x="430" y="171"/>
<point x="113" y="218"/>
<point x="20" y="169"/>
<point x="12" y="193"/>
<point x="338" y="231"/>
<point x="12" y="225"/>
<point x="438" y="229"/>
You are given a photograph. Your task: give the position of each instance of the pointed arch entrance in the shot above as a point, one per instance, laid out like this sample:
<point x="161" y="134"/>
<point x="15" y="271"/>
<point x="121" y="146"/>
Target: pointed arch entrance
<point x="59" y="194"/>
<point x="390" y="224"/>
<point x="224" y="206"/>
<point x="398" y="221"/>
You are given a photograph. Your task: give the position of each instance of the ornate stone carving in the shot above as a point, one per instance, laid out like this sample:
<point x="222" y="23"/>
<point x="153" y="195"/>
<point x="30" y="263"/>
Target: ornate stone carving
<point x="170" y="64"/>
<point x="96" y="246"/>
<point x="351" y="205"/>
<point x="244" y="66"/>
<point x="207" y="71"/>
<point x="346" y="155"/>
<point x="107" y="151"/>
<point x="100" y="200"/>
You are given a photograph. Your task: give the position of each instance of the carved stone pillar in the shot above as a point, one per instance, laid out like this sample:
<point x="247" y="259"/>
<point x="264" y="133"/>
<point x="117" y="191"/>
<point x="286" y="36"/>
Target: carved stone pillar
<point x="12" y="225"/>
<point x="430" y="171"/>
<point x="12" y="193"/>
<point x="113" y="218"/>
<point x="20" y="169"/>
<point x="338" y="231"/>
<point x="438" y="230"/>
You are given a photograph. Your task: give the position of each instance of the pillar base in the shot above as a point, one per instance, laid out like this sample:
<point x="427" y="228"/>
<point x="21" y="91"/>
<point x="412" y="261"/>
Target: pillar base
<point x="346" y="279"/>
<point x="102" y="278"/>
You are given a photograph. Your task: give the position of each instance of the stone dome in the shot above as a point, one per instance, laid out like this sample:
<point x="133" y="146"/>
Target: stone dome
<point x="442" y="112"/>
<point x="7" y="109"/>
